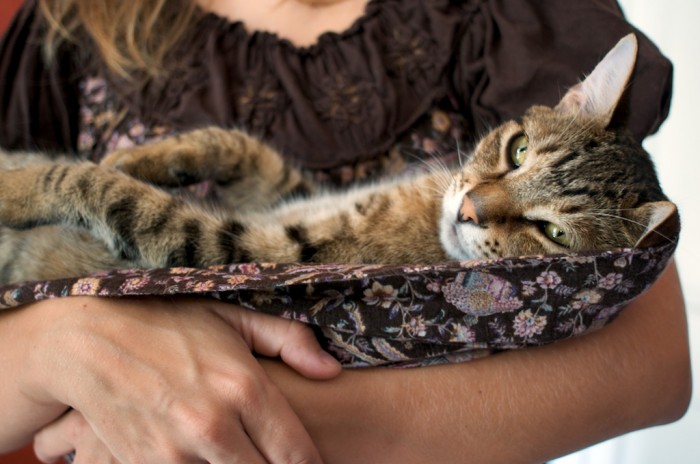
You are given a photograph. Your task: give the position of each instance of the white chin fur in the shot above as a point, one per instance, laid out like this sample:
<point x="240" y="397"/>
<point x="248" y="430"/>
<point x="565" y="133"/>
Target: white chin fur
<point x="453" y="244"/>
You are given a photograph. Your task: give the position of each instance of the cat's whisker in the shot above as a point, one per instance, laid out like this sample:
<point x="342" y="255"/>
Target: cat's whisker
<point x="424" y="156"/>
<point x="443" y="182"/>
<point x="603" y="210"/>
<point x="459" y="152"/>
<point x="632" y="221"/>
<point x="435" y="164"/>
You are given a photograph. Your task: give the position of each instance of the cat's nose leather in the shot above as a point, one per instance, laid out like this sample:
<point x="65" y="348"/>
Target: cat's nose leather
<point x="467" y="212"/>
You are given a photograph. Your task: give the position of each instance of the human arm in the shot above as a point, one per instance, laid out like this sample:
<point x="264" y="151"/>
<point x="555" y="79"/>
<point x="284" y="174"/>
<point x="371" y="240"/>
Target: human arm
<point x="155" y="378"/>
<point x="522" y="406"/>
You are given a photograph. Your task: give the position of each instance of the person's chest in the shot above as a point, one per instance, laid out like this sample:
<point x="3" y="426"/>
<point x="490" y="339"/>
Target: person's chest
<point x="299" y="21"/>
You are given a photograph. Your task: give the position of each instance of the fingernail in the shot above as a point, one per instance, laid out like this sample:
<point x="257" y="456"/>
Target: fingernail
<point x="328" y="358"/>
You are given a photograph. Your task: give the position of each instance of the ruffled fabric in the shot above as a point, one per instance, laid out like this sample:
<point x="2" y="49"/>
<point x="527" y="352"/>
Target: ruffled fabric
<point x="346" y="98"/>
<point x="351" y="96"/>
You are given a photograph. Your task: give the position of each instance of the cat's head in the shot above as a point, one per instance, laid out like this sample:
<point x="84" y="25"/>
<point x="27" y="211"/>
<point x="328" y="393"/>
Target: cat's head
<point x="560" y="179"/>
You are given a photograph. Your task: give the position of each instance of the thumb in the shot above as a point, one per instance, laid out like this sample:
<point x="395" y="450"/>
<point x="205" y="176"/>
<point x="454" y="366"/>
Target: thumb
<point x="274" y="336"/>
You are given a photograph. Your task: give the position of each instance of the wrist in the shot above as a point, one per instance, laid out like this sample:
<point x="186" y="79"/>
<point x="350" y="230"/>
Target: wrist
<point x="26" y="404"/>
<point x="352" y="396"/>
<point x="41" y="345"/>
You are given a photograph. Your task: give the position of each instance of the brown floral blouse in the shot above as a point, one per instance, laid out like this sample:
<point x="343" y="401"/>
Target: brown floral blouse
<point x="410" y="80"/>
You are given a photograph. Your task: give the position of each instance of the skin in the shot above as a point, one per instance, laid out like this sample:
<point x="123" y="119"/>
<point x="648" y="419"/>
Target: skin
<point x="524" y="406"/>
<point x="301" y="22"/>
<point x="542" y="402"/>
<point x="157" y="380"/>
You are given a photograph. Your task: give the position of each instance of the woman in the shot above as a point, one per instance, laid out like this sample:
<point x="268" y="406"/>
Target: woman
<point x="372" y="84"/>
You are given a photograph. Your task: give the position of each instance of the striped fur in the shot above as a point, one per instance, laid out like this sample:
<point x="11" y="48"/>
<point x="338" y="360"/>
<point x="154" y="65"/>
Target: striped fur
<point x="595" y="183"/>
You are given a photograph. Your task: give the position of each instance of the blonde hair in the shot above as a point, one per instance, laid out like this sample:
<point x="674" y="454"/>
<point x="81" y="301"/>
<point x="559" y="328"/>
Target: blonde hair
<point x="131" y="36"/>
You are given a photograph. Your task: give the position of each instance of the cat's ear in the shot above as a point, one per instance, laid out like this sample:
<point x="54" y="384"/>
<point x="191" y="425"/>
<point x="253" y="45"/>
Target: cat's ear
<point x="598" y="94"/>
<point x="660" y="220"/>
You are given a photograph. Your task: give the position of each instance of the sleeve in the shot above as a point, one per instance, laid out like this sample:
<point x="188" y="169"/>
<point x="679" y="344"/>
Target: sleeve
<point x="39" y="105"/>
<point x="535" y="50"/>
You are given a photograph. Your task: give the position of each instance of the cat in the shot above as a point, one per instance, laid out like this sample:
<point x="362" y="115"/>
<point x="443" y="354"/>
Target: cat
<point x="558" y="180"/>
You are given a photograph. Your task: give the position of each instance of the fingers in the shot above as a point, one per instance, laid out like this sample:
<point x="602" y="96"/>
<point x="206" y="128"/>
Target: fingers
<point x="293" y="341"/>
<point x="275" y="418"/>
<point x="185" y="386"/>
<point x="211" y="433"/>
<point x="301" y="351"/>
<point x="71" y="433"/>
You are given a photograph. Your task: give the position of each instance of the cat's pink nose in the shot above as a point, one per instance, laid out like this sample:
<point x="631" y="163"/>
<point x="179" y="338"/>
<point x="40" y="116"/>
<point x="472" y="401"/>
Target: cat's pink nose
<point x="467" y="212"/>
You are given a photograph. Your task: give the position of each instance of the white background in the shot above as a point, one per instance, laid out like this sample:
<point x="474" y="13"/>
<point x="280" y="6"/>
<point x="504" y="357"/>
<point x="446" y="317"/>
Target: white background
<point x="674" y="25"/>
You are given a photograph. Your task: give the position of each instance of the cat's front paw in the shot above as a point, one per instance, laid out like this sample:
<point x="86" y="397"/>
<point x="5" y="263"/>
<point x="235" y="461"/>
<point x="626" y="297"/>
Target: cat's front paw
<point x="159" y="163"/>
<point x="210" y="154"/>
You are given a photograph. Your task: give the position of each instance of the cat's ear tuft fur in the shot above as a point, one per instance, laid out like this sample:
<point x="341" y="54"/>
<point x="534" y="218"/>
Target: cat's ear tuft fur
<point x="661" y="220"/>
<point x="598" y="95"/>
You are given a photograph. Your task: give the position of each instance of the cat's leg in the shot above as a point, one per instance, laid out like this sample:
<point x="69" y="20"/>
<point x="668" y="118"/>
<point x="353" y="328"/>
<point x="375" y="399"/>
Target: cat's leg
<point x="20" y="159"/>
<point x="379" y="223"/>
<point x="52" y="252"/>
<point x="248" y="172"/>
<point x="383" y="223"/>
<point x="139" y="222"/>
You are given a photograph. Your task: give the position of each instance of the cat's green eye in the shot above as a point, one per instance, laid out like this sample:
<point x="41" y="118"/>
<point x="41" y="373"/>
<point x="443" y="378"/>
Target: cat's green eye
<point x="557" y="234"/>
<point x="518" y="150"/>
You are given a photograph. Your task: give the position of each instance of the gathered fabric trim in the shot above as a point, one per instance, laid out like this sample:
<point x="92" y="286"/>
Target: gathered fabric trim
<point x="345" y="99"/>
<point x="409" y="315"/>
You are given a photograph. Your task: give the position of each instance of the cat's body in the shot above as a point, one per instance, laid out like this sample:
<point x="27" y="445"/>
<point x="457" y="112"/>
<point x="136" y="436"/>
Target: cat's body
<point x="556" y="181"/>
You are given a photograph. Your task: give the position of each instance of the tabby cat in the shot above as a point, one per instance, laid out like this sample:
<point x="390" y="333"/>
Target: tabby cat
<point x="558" y="180"/>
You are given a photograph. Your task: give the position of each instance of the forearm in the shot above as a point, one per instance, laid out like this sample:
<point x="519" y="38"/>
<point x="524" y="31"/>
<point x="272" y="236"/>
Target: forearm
<point x="154" y="380"/>
<point x="522" y="406"/>
<point x="21" y="415"/>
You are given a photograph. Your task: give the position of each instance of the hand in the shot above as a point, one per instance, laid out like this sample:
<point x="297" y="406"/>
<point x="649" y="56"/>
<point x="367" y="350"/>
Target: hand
<point x="528" y="405"/>
<point x="68" y="433"/>
<point x="175" y="381"/>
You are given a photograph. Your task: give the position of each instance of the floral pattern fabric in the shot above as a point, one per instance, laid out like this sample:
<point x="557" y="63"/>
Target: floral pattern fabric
<point x="370" y="315"/>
